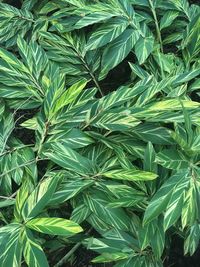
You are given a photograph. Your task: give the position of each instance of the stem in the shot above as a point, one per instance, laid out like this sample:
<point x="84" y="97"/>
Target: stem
<point x="19" y="166"/>
<point x="96" y="83"/>
<point x="90" y="121"/>
<point x="66" y="257"/>
<point x="14" y="149"/>
<point x="3" y="197"/>
<point x="161" y="67"/>
<point x="25" y="18"/>
<point x="90" y="72"/>
<point x="107" y="133"/>
<point x="153" y="10"/>
<point x="36" y="84"/>
<point x="43" y="138"/>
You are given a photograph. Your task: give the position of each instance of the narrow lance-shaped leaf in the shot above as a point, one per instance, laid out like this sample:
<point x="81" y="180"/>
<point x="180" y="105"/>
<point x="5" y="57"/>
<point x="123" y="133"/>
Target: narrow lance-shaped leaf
<point x="172" y="159"/>
<point x="130" y="175"/>
<point x="107" y="33"/>
<point x="39" y="198"/>
<point x="54" y="226"/>
<point x="69" y="95"/>
<point x="118" y="50"/>
<point x="32" y="251"/>
<point x="162" y="197"/>
<point x="143" y="48"/>
<point x="69" y="159"/>
<point x="10" y="247"/>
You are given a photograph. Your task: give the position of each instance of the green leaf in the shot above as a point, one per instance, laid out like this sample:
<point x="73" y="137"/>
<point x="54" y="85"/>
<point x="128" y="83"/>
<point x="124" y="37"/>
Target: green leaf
<point x="30" y="123"/>
<point x="168" y="18"/>
<point x="14" y="22"/>
<point x="22" y="195"/>
<point x="55" y="83"/>
<point x="69" y="159"/>
<point x="39" y="198"/>
<point x="172" y="159"/>
<point x="102" y="216"/>
<point x="158" y="238"/>
<point x="54" y="226"/>
<point x="32" y="251"/>
<point x="130" y="175"/>
<point x="73" y="138"/>
<point x="175" y="204"/>
<point x="137" y="70"/>
<point x="121" y="121"/>
<point x="69" y="189"/>
<point x="110" y="257"/>
<point x="107" y="33"/>
<point x="143" y="48"/>
<point x="10" y="247"/>
<point x="12" y="61"/>
<point x="116" y="51"/>
<point x="69" y="96"/>
<point x="122" y="95"/>
<point x="149" y="159"/>
<point x="192" y="241"/>
<point x="154" y="133"/>
<point x="163" y="198"/>
<point x="190" y="209"/>
<point x="96" y="17"/>
<point x="6" y="203"/>
<point x="186" y="77"/>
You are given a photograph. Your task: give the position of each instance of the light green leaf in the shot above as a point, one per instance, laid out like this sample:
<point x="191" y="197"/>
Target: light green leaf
<point x="22" y="195"/>
<point x="190" y="209"/>
<point x="121" y="121"/>
<point x="130" y="175"/>
<point x="110" y="257"/>
<point x="69" y="95"/>
<point x="73" y="138"/>
<point x="54" y="226"/>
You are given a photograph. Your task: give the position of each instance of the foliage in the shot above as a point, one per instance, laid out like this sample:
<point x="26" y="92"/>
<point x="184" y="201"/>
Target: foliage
<point x="116" y="171"/>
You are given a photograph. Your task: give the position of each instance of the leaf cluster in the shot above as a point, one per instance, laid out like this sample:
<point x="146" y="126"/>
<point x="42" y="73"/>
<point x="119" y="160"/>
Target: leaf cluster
<point x="85" y="159"/>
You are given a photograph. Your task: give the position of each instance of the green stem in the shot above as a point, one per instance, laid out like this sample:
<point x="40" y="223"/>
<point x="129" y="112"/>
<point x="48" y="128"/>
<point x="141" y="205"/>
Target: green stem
<point x="43" y="139"/>
<point x="161" y="66"/>
<point x="14" y="149"/>
<point x="19" y="166"/>
<point x="90" y="72"/>
<point x="27" y="19"/>
<point x="153" y="10"/>
<point x="66" y="257"/>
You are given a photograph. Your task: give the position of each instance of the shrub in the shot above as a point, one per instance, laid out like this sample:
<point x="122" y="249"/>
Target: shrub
<point x="99" y="131"/>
